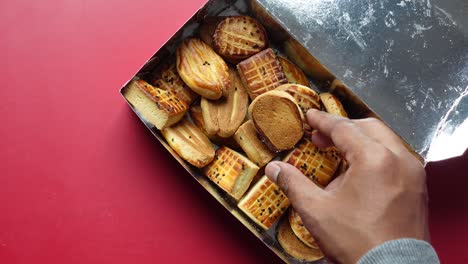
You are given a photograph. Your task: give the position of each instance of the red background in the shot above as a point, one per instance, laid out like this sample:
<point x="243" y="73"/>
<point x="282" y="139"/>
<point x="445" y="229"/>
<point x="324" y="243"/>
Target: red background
<point x="83" y="181"/>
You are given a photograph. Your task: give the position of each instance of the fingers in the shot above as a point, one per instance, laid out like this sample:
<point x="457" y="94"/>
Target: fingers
<point x="300" y="191"/>
<point x="383" y="134"/>
<point x="346" y="135"/>
<point x="320" y="140"/>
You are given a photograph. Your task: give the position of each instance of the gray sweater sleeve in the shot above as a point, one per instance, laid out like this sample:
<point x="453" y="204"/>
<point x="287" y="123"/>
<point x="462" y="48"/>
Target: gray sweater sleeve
<point x="401" y="251"/>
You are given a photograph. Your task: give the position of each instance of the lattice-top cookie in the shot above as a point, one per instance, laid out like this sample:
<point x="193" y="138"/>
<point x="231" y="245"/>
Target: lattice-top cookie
<point x="239" y="37"/>
<point x="317" y="164"/>
<point x="231" y="171"/>
<point x="264" y="203"/>
<point x="261" y="73"/>
<point x="306" y="98"/>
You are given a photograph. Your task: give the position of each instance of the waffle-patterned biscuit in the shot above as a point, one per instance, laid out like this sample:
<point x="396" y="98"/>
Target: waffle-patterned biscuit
<point x="306" y="98"/>
<point x="261" y="73"/>
<point x="265" y="203"/>
<point x="224" y="116"/>
<point x="167" y="78"/>
<point x="293" y="73"/>
<point x="204" y="71"/>
<point x="190" y="143"/>
<point x="239" y="37"/>
<point x="231" y="171"/>
<point x="197" y="117"/>
<point x="161" y="108"/>
<point x="317" y="164"/>
<point x="278" y="120"/>
<point x="332" y="104"/>
<point x="247" y="138"/>
<point x="293" y="246"/>
<point x="300" y="231"/>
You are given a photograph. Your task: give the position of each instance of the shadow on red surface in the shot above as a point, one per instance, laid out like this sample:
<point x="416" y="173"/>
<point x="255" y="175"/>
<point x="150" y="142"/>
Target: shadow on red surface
<point x="448" y="202"/>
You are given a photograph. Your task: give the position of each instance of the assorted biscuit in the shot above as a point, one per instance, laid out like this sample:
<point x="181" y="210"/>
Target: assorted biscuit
<point x="278" y="120"/>
<point x="317" y="164"/>
<point x="202" y="69"/>
<point x="293" y="245"/>
<point x="300" y="230"/>
<point x="265" y="203"/>
<point x="231" y="171"/>
<point x="294" y="74"/>
<point x="261" y="73"/>
<point x="223" y="117"/>
<point x="247" y="138"/>
<point x="168" y="79"/>
<point x="231" y="139"/>
<point x="189" y="142"/>
<point x="162" y="108"/>
<point x="235" y="38"/>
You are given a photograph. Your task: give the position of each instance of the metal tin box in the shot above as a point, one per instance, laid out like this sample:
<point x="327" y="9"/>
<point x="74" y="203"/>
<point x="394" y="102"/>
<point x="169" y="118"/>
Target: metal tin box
<point x="403" y="62"/>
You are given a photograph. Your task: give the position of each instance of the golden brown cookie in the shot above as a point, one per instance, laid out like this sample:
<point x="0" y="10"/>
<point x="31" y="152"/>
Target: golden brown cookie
<point x="317" y="164"/>
<point x="247" y="137"/>
<point x="224" y="116"/>
<point x="332" y="104"/>
<point x="264" y="203"/>
<point x="277" y="119"/>
<point x="231" y="171"/>
<point x="235" y="38"/>
<point x="293" y="246"/>
<point x="293" y="73"/>
<point x="197" y="117"/>
<point x="189" y="142"/>
<point x="300" y="230"/>
<point x="162" y="108"/>
<point x="168" y="79"/>
<point x="204" y="71"/>
<point x="261" y="73"/>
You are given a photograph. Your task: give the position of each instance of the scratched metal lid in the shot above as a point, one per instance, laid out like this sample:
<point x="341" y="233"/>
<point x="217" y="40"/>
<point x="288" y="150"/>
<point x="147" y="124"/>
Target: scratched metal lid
<point x="407" y="59"/>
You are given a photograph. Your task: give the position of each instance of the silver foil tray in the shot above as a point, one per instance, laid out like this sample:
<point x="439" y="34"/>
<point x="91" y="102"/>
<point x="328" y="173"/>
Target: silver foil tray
<point x="406" y="59"/>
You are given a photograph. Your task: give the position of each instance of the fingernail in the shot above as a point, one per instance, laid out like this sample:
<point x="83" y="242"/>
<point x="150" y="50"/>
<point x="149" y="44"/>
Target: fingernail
<point x="272" y="171"/>
<point x="310" y="111"/>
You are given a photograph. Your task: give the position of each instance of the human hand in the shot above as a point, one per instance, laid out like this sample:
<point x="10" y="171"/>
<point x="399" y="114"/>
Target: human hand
<point x="382" y="196"/>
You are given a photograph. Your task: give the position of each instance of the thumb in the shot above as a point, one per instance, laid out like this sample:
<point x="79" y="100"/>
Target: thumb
<point x="301" y="192"/>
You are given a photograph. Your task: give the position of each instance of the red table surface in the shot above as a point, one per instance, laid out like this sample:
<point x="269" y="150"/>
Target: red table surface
<point x="81" y="178"/>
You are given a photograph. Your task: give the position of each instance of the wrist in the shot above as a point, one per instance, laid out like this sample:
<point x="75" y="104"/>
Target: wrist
<point x="399" y="251"/>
